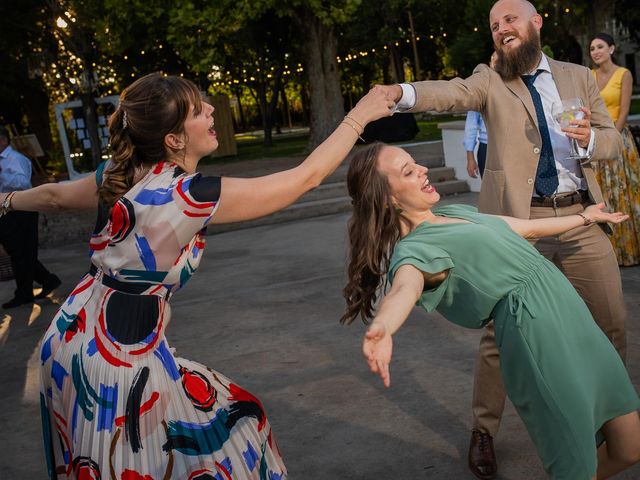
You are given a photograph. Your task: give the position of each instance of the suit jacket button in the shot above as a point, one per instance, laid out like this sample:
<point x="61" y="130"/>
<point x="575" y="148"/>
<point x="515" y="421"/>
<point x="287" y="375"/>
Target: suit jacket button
<point x="530" y="181"/>
<point x="536" y="150"/>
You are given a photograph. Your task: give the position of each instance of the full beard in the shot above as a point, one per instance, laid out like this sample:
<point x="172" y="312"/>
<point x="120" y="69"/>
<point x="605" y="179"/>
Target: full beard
<point x="522" y="60"/>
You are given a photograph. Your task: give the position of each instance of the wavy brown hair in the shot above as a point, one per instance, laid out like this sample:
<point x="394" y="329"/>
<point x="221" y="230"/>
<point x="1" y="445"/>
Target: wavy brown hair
<point x="374" y="229"/>
<point x="154" y="106"/>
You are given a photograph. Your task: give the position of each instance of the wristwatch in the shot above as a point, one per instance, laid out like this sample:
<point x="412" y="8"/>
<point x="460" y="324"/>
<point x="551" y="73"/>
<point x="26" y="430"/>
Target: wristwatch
<point x="5" y="207"/>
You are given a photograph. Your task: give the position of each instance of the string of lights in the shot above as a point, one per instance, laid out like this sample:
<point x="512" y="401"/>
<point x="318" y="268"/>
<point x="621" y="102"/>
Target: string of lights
<point x="68" y="68"/>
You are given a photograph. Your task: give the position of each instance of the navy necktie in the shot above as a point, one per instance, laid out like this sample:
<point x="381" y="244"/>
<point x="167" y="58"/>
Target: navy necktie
<point x="547" y="174"/>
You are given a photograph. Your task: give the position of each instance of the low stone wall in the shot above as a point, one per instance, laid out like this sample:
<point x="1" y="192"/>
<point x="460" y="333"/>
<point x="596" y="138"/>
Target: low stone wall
<point x="61" y="228"/>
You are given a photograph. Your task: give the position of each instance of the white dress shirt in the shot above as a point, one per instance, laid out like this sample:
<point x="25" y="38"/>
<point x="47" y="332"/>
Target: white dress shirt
<point x="570" y="176"/>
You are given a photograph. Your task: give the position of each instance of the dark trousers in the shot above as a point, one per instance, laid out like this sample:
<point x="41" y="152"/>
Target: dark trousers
<point x="19" y="237"/>
<point x="482" y="157"/>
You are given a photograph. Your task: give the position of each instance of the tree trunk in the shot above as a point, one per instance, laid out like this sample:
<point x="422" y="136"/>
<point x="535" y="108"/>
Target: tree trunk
<point x="286" y="112"/>
<point x="243" y="122"/>
<point x="261" y="96"/>
<point x="90" y="114"/>
<point x="268" y="107"/>
<point x="397" y="69"/>
<point x="304" y="100"/>
<point x="327" y="106"/>
<point x="36" y="108"/>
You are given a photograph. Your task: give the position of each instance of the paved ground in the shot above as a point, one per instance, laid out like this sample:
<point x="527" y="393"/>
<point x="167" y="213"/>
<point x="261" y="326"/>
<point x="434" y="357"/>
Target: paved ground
<point x="264" y="310"/>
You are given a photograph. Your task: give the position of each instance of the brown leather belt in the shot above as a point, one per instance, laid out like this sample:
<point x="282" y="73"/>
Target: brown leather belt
<point x="562" y="200"/>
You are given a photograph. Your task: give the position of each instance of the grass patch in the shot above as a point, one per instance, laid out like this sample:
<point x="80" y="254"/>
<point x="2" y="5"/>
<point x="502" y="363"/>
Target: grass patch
<point x="428" y="126"/>
<point x="252" y="147"/>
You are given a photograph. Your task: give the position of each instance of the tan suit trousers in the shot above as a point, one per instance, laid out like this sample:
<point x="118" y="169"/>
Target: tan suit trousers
<point x="587" y="259"/>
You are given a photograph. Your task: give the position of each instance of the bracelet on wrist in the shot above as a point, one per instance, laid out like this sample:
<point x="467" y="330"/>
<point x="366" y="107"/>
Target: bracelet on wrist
<point x="5" y="207"/>
<point x="358" y="132"/>
<point x="587" y="220"/>
<point x="354" y="121"/>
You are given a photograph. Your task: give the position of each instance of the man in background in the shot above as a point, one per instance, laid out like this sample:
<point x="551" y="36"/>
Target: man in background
<point x="19" y="230"/>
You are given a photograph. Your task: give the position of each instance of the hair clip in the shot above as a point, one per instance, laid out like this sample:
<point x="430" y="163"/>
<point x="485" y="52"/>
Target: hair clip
<point x="124" y="120"/>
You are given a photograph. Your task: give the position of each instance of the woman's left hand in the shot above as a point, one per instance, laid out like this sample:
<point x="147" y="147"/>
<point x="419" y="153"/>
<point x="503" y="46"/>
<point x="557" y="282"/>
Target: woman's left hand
<point x="598" y="215"/>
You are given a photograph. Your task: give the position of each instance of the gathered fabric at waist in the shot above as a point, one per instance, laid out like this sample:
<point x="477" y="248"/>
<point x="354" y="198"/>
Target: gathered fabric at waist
<point x="516" y="299"/>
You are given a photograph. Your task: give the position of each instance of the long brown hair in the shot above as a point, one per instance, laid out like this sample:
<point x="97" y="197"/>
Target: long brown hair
<point x="150" y="108"/>
<point x="374" y="229"/>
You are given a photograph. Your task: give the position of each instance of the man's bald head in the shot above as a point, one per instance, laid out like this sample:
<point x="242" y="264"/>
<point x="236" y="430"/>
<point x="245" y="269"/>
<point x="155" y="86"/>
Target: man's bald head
<point x="524" y="6"/>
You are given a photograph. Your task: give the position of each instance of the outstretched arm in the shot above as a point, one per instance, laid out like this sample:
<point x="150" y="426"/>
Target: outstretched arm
<point x="456" y="95"/>
<point x="546" y="227"/>
<point x="77" y="194"/>
<point x="395" y="307"/>
<point x="249" y="198"/>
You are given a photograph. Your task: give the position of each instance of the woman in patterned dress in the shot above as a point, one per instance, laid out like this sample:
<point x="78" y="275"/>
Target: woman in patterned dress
<point x="116" y="401"/>
<point x="620" y="177"/>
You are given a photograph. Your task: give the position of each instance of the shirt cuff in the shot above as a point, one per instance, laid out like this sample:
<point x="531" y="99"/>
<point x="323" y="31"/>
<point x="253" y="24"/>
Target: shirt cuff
<point x="588" y="152"/>
<point x="408" y="99"/>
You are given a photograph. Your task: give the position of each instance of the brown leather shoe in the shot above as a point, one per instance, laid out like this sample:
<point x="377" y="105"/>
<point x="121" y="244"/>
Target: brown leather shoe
<point x="482" y="458"/>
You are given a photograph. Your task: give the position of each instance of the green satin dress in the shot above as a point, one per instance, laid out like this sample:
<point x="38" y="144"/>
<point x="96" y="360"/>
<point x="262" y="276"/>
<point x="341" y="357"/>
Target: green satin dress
<point x="560" y="371"/>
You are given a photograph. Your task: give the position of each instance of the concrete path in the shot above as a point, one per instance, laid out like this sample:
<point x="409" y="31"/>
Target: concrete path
<point x="263" y="309"/>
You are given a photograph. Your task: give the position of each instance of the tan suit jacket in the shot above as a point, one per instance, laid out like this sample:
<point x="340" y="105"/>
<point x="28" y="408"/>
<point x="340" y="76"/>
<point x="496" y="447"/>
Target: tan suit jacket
<point x="514" y="142"/>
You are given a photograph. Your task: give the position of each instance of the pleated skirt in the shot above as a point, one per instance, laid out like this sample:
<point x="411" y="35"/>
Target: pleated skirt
<point x="117" y="403"/>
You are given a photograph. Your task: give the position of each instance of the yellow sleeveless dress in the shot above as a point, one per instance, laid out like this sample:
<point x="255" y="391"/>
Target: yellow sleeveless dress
<point x="620" y="180"/>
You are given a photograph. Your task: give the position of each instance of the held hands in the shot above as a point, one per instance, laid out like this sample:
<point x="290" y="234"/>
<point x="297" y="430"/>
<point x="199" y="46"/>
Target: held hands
<point x="394" y="92"/>
<point x="597" y="214"/>
<point x="374" y="105"/>
<point x="377" y="348"/>
<point x="580" y="130"/>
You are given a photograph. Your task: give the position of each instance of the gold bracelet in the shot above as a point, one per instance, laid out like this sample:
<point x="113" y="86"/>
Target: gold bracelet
<point x="587" y="220"/>
<point x="354" y="121"/>
<point x="357" y="127"/>
<point x="354" y="129"/>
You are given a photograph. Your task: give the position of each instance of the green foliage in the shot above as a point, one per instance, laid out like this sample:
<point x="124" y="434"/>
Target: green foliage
<point x="469" y="50"/>
<point x="385" y="27"/>
<point x="474" y="44"/>
<point x="26" y="47"/>
<point x="628" y="14"/>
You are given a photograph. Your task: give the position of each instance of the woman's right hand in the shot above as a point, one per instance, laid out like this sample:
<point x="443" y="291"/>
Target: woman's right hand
<point x="472" y="165"/>
<point x="377" y="348"/>
<point x="374" y="105"/>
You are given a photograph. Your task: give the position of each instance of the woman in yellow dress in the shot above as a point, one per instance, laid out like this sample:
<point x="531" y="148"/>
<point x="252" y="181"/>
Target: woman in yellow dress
<point x="620" y="178"/>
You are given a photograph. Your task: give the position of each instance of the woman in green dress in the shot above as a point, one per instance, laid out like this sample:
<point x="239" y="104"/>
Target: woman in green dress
<point x="561" y="373"/>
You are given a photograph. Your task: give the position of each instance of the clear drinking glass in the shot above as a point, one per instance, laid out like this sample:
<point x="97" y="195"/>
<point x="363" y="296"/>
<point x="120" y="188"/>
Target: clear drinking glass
<point x="565" y="113"/>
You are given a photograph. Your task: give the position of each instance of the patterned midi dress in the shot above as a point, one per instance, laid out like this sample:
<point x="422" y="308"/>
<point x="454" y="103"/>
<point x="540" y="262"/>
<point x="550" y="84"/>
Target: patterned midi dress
<point x="619" y="179"/>
<point x="116" y="402"/>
